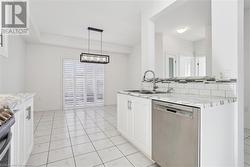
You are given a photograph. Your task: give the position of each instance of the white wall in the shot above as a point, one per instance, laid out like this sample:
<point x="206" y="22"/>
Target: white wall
<point x="175" y="47"/>
<point x="228" y="59"/>
<point x="159" y="56"/>
<point x="247" y="68"/>
<point x="203" y="47"/>
<point x="12" y="67"/>
<point x="148" y="34"/>
<point x="134" y="68"/>
<point x="116" y="77"/>
<point x="147" y="44"/>
<point x="224" y="59"/>
<point x="43" y="75"/>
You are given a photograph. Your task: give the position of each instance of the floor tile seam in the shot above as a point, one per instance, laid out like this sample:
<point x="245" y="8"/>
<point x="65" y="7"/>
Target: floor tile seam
<point x="49" y="142"/>
<point x="92" y="144"/>
<point x="71" y="145"/>
<point x="59" y="160"/>
<point x="118" y="149"/>
<point x="53" y="149"/>
<point x="37" y="124"/>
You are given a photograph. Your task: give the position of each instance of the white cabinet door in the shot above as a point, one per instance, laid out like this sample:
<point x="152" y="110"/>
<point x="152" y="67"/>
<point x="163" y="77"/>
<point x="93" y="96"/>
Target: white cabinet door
<point x="15" y="142"/>
<point x="122" y="113"/>
<point x="142" y="124"/>
<point x="134" y="121"/>
<point x="28" y="129"/>
<point x="130" y="119"/>
<point x="21" y="137"/>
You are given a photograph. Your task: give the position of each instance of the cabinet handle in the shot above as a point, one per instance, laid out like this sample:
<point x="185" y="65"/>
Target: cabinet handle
<point x="130" y="105"/>
<point x="28" y="117"/>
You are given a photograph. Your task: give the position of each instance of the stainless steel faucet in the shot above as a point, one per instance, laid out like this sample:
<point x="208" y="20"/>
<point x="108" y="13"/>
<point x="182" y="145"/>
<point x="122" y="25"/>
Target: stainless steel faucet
<point x="154" y="81"/>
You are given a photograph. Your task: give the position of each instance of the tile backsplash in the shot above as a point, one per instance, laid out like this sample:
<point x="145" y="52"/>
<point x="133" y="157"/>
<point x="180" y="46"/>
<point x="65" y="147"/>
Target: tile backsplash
<point x="205" y="89"/>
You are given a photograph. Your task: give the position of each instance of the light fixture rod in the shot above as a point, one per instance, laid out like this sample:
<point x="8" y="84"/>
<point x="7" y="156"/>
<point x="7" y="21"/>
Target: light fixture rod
<point x="101" y="42"/>
<point x="97" y="30"/>
<point x="88" y="40"/>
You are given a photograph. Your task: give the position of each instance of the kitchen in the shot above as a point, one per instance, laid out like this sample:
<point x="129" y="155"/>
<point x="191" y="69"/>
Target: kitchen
<point x="159" y="56"/>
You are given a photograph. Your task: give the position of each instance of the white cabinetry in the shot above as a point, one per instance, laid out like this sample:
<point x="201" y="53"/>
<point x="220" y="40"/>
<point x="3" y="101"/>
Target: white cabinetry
<point x="28" y="129"/>
<point x="4" y="48"/>
<point x="122" y="113"/>
<point x="134" y="121"/>
<point x="22" y="134"/>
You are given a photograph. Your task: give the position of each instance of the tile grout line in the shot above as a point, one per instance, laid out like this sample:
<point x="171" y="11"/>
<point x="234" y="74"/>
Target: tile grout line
<point x="115" y="146"/>
<point x="90" y="139"/>
<point x="96" y="119"/>
<point x="50" y="140"/>
<point x="119" y="150"/>
<point x="85" y="143"/>
<point x="38" y="123"/>
<point x="120" y="144"/>
<point x="70" y="142"/>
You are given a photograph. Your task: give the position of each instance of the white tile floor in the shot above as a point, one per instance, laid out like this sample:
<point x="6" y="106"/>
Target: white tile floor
<point x="82" y="138"/>
<point x="87" y="138"/>
<point x="247" y="147"/>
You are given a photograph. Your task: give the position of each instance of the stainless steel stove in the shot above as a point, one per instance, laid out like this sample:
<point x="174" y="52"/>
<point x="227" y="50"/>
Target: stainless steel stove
<point x="6" y="121"/>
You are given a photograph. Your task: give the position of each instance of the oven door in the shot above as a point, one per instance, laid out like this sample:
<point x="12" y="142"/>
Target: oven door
<point x="5" y="151"/>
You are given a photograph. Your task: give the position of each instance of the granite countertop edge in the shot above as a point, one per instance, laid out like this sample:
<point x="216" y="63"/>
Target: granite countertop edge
<point x="207" y="102"/>
<point x="14" y="100"/>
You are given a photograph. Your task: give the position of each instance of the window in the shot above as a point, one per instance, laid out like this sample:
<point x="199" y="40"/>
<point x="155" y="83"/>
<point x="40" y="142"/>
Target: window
<point x="83" y="84"/>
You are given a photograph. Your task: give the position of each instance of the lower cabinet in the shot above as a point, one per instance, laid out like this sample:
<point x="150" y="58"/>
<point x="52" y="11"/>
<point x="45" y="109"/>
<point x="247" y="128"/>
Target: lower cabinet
<point x="22" y="134"/>
<point x="28" y="129"/>
<point x="134" y="121"/>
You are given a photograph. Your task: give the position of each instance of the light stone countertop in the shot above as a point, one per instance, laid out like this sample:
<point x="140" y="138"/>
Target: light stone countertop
<point x="13" y="100"/>
<point x="186" y="99"/>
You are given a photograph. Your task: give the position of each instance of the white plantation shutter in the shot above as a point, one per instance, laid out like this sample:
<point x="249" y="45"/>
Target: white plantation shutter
<point x="79" y="85"/>
<point x="99" y="74"/>
<point x="68" y="84"/>
<point x="83" y="84"/>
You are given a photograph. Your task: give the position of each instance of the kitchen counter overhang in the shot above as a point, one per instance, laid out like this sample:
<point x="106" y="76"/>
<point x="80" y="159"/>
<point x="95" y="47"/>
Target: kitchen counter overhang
<point x="186" y="99"/>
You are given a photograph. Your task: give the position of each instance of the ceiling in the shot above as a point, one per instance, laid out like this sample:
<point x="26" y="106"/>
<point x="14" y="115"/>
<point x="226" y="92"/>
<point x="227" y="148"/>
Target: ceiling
<point x="119" y="19"/>
<point x="194" y="14"/>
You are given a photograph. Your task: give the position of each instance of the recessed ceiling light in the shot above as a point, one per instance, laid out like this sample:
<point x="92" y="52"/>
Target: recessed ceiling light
<point x="182" y="30"/>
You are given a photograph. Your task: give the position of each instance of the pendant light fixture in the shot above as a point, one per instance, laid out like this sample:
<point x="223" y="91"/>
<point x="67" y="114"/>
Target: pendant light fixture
<point x="93" y="57"/>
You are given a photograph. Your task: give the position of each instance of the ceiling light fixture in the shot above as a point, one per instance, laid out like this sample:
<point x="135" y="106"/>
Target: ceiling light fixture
<point x="93" y="57"/>
<point x="182" y="30"/>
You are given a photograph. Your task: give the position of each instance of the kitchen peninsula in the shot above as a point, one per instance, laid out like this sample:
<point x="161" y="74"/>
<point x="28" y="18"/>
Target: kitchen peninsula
<point x="191" y="123"/>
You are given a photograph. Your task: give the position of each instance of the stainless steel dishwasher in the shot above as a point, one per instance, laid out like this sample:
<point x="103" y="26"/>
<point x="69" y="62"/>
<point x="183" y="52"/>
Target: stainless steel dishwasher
<point x="176" y="135"/>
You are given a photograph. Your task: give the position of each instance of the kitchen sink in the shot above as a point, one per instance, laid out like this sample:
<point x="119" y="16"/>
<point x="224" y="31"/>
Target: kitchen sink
<point x="145" y="91"/>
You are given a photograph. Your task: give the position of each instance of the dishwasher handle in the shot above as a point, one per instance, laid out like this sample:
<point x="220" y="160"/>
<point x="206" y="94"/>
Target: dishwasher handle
<point x="176" y="111"/>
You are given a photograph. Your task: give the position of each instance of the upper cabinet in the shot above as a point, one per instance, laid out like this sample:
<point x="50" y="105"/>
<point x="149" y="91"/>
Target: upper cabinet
<point x="4" y="45"/>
